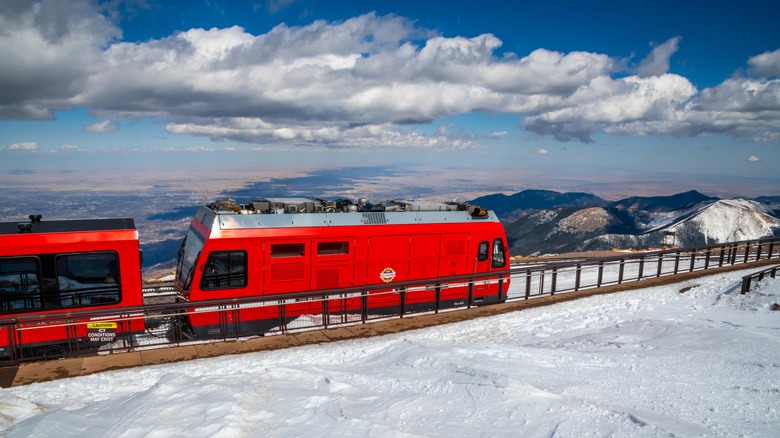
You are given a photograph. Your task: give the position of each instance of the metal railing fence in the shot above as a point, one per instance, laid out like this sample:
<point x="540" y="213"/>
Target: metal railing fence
<point x="749" y="280"/>
<point x="164" y="324"/>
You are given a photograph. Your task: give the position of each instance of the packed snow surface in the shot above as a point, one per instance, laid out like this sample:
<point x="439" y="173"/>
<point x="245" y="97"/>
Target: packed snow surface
<point x="644" y="363"/>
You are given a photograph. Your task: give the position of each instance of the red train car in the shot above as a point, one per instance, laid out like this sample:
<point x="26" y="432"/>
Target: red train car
<point x="57" y="268"/>
<point x="283" y="246"/>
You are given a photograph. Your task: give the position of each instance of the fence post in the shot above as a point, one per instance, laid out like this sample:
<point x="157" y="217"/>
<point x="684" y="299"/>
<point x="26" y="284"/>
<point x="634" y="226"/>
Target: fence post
<point x="745" y="285"/>
<point x="282" y="316"/>
<point x="554" y="281"/>
<point x="676" y="262"/>
<point x="325" y="305"/>
<point x="364" y="306"/>
<point x="527" y="284"/>
<point x="471" y="293"/>
<point x="438" y="296"/>
<point x="402" y="300"/>
<point x="722" y="252"/>
<point x="620" y="271"/>
<point x="13" y="351"/>
<point x="237" y="319"/>
<point x="577" y="278"/>
<point x="660" y="265"/>
<point x="641" y="266"/>
<point x="601" y="274"/>
<point x="707" y="258"/>
<point x="758" y="251"/>
<point x="693" y="260"/>
<point x="747" y="252"/>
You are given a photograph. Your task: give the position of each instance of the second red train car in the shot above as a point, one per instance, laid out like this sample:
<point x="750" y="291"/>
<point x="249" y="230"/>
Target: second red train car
<point x="273" y="247"/>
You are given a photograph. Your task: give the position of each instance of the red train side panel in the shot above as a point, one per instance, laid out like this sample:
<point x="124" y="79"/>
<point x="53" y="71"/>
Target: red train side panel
<point x="49" y="268"/>
<point x="273" y="247"/>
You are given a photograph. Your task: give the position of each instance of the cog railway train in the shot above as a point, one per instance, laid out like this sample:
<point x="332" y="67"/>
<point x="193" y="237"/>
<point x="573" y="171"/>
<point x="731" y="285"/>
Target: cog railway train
<point x="52" y="270"/>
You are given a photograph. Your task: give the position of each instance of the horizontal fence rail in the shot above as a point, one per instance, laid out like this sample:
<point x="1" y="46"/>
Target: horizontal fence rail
<point x="86" y="332"/>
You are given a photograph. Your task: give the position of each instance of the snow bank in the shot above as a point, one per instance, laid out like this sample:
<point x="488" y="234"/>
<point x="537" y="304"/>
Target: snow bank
<point x="650" y="362"/>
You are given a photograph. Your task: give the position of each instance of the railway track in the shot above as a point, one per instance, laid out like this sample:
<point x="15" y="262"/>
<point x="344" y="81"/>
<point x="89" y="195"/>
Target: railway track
<point x="158" y="289"/>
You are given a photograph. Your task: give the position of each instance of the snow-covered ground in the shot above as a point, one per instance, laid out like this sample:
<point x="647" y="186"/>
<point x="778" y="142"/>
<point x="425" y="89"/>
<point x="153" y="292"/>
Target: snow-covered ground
<point x="649" y="362"/>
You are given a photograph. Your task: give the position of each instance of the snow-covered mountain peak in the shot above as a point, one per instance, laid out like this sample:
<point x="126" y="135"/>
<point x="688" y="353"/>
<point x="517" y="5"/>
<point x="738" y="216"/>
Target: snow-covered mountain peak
<point x="730" y="220"/>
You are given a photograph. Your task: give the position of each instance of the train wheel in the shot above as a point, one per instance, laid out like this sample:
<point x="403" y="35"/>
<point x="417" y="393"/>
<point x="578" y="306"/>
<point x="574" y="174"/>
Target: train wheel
<point x="51" y="352"/>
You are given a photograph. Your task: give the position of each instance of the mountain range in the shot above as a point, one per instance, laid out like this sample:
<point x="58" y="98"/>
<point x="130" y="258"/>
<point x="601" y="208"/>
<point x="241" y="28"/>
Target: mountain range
<point x="543" y="222"/>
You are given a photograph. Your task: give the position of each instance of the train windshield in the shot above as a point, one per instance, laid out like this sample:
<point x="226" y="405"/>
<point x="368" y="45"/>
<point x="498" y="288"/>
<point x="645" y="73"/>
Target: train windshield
<point x="188" y="257"/>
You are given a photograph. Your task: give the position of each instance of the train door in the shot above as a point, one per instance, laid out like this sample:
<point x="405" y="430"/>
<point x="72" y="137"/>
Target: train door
<point x="333" y="267"/>
<point x="490" y="290"/>
<point x="333" y="263"/>
<point x="481" y="265"/>
<point x="423" y="264"/>
<point x="499" y="260"/>
<point x="287" y="269"/>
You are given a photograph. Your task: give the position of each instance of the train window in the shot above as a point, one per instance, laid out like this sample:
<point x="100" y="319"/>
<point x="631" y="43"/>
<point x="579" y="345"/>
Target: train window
<point x="499" y="255"/>
<point x="20" y="289"/>
<point x="224" y="270"/>
<point x="332" y="248"/>
<point x="483" y="251"/>
<point x="88" y="279"/>
<point x="281" y="250"/>
<point x="188" y="256"/>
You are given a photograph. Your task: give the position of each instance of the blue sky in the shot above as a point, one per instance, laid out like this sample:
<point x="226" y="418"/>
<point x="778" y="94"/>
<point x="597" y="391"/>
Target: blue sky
<point x="670" y="95"/>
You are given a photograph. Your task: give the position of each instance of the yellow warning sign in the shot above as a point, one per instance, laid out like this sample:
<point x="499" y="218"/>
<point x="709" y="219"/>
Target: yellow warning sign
<point x="101" y="331"/>
<point x="101" y="325"/>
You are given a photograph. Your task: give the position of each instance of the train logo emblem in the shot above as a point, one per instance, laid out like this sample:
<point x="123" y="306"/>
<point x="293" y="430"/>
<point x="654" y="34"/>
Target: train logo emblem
<point x="387" y="275"/>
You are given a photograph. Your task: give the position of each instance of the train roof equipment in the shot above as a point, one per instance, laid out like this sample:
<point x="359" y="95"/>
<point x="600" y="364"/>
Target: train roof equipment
<point x="302" y="212"/>
<point x="37" y="225"/>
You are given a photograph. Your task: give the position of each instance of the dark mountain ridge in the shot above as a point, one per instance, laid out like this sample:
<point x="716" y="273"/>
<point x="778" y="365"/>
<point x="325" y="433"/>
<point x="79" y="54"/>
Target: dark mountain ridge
<point x="510" y="207"/>
<point x="684" y="219"/>
<point x="664" y="203"/>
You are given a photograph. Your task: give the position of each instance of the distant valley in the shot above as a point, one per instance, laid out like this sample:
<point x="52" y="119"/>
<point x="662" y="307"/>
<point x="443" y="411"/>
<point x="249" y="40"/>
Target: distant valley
<point x="545" y="222"/>
<point x="536" y="221"/>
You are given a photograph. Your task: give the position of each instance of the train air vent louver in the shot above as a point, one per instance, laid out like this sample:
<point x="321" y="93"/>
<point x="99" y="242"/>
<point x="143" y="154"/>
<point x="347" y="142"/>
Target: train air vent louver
<point x="374" y="218"/>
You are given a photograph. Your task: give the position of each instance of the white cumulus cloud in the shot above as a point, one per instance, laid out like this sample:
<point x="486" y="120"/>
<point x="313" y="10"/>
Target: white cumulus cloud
<point x="104" y="126"/>
<point x="27" y="147"/>
<point x="364" y="81"/>
<point x="657" y="63"/>
<point x="766" y="64"/>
